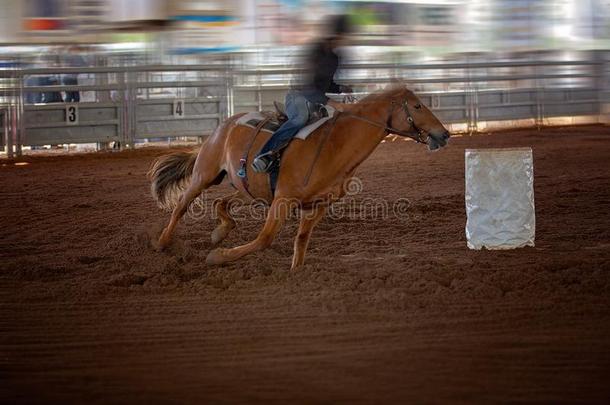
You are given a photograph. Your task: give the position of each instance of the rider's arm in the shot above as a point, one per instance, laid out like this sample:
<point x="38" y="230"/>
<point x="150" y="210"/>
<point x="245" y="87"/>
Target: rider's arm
<point x="334" y="87"/>
<point x="322" y="65"/>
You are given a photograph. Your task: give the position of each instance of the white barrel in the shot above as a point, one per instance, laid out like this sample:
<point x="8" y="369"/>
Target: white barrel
<point x="500" y="198"/>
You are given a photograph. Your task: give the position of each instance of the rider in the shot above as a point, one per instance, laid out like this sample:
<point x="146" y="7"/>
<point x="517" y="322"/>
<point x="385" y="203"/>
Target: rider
<point x="322" y="64"/>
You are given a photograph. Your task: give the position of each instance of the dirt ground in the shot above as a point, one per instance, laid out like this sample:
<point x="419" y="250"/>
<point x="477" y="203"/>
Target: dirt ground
<point x="385" y="310"/>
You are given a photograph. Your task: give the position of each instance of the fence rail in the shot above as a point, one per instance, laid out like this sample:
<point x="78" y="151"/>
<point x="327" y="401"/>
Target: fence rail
<point x="128" y="104"/>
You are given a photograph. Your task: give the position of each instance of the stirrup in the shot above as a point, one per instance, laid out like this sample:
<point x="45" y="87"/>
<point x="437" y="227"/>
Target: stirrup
<point x="242" y="169"/>
<point x="263" y="163"/>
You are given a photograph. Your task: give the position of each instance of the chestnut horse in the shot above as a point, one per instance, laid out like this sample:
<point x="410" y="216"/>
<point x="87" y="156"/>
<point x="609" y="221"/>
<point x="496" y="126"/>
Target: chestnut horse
<point x="313" y="171"/>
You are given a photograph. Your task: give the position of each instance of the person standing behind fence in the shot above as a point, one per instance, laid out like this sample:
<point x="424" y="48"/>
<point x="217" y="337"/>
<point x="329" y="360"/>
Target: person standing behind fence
<point x="35" y="97"/>
<point x="32" y="97"/>
<point x="50" y="96"/>
<point x="74" y="60"/>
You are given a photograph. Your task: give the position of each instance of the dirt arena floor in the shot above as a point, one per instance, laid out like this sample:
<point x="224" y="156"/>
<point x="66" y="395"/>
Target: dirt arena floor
<point x="386" y="310"/>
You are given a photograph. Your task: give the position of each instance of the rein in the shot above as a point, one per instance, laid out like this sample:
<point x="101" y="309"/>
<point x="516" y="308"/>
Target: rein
<point x="388" y="128"/>
<point x="384" y="127"/>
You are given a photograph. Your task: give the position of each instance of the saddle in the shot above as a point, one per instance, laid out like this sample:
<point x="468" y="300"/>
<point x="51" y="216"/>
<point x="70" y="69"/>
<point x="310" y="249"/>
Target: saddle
<point x="316" y="112"/>
<point x="280" y="110"/>
<point x="270" y="121"/>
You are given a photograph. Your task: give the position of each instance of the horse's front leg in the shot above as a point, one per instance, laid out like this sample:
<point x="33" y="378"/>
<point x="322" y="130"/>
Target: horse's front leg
<point x="309" y="219"/>
<point x="275" y="219"/>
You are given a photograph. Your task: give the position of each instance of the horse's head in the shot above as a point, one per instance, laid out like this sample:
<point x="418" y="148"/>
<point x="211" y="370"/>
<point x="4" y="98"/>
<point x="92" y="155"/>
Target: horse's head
<point x="409" y="115"/>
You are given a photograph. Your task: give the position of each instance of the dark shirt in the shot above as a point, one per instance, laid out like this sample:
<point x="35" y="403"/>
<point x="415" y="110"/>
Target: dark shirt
<point x="47" y="96"/>
<point x="51" y="96"/>
<point x="321" y="65"/>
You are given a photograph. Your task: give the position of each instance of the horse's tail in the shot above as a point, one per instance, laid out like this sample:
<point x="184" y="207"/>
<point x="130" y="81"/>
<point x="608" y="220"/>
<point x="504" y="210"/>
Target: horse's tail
<point x="169" y="176"/>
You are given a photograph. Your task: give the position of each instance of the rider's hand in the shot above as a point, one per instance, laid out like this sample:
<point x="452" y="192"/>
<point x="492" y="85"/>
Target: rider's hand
<point x="345" y="89"/>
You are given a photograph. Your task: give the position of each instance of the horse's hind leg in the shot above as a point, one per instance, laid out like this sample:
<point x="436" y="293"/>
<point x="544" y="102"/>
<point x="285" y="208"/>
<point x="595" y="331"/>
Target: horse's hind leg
<point x="202" y="178"/>
<point x="309" y="219"/>
<point x="193" y="190"/>
<point x="275" y="219"/>
<point x="227" y="223"/>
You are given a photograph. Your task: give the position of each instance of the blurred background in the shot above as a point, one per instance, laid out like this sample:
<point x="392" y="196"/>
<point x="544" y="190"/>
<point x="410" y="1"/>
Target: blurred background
<point x="429" y="28"/>
<point x="133" y="71"/>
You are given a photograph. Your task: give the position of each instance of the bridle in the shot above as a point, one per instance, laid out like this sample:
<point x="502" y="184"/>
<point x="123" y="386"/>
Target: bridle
<point x="387" y="127"/>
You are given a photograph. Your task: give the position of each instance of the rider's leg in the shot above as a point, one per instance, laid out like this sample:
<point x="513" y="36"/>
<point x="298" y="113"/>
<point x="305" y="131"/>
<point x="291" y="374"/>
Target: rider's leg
<point x="298" y="115"/>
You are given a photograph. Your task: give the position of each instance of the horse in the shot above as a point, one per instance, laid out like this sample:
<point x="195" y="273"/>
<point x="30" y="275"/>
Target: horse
<point x="313" y="171"/>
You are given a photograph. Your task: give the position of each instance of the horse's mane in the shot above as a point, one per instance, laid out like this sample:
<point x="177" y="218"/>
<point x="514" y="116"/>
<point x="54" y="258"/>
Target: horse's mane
<point x="383" y="94"/>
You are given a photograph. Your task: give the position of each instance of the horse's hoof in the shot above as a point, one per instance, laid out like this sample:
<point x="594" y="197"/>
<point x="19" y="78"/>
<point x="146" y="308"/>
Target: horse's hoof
<point x="215" y="257"/>
<point x="220" y="233"/>
<point x="162" y="242"/>
<point x="217" y="236"/>
<point x="160" y="245"/>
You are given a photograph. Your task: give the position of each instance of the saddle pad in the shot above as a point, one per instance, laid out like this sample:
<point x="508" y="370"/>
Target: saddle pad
<point x="305" y="131"/>
<point x="252" y="119"/>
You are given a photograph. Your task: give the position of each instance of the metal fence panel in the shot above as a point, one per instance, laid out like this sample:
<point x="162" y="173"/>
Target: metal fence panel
<point x="521" y="96"/>
<point x="47" y="124"/>
<point x="570" y="109"/>
<point x="2" y="132"/>
<point x="62" y="135"/>
<point x="509" y="112"/>
<point x="452" y="116"/>
<point x="468" y="90"/>
<point x="157" y="118"/>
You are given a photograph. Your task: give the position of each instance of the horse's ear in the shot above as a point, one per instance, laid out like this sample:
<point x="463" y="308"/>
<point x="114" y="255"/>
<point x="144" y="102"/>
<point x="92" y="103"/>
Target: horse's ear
<point x="398" y="82"/>
<point x="395" y="84"/>
<point x="402" y="84"/>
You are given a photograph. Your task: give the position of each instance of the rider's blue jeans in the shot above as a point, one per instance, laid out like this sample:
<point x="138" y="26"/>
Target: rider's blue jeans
<point x="297" y="111"/>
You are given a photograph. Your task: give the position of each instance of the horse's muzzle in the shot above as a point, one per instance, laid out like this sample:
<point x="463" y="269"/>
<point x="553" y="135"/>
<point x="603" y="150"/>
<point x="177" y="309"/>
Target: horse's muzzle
<point x="437" y="141"/>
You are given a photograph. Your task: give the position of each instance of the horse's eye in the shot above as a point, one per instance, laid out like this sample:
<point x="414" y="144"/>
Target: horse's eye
<point x="417" y="106"/>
